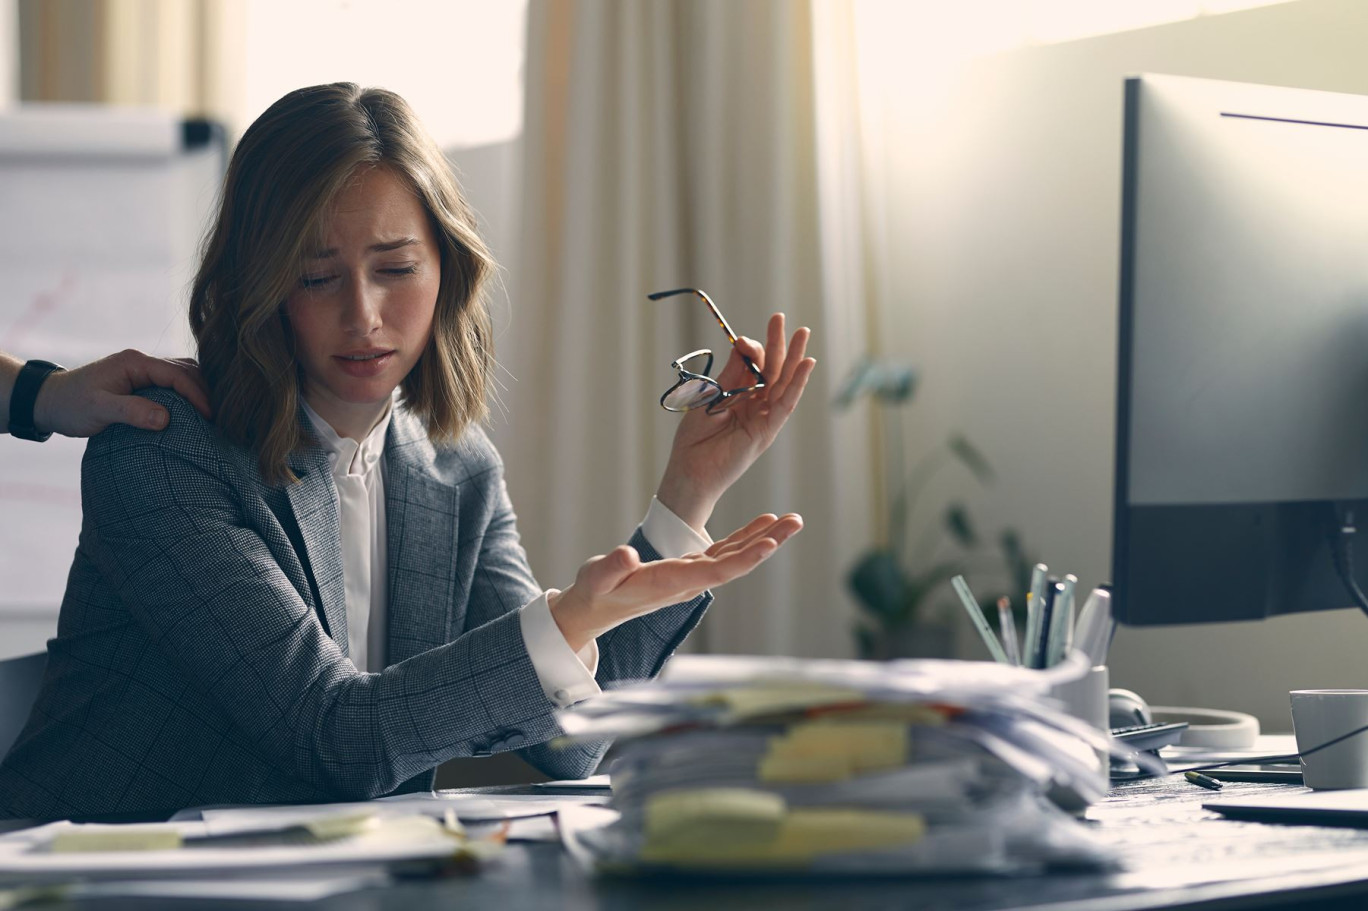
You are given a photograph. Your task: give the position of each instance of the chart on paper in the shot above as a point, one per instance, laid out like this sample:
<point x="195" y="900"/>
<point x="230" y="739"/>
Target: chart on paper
<point x="101" y="214"/>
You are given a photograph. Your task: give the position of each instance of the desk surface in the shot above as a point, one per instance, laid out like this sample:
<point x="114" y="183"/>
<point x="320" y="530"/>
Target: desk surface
<point x="1177" y="856"/>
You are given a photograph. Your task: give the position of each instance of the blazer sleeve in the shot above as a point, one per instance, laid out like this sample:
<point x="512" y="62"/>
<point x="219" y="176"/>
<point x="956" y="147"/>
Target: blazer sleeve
<point x="166" y="528"/>
<point x="634" y="651"/>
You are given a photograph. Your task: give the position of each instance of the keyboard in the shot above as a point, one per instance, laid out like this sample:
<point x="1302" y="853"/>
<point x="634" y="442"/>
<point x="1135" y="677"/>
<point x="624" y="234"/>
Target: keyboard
<point x="1150" y="737"/>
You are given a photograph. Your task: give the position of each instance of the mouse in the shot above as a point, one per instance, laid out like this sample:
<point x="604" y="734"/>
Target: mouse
<point x="1126" y="709"/>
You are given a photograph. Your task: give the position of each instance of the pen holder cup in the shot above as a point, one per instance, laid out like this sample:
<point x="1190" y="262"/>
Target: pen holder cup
<point x="1086" y="699"/>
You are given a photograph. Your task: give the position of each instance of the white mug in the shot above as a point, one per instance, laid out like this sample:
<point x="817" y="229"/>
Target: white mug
<point x="1086" y="699"/>
<point x="1318" y="717"/>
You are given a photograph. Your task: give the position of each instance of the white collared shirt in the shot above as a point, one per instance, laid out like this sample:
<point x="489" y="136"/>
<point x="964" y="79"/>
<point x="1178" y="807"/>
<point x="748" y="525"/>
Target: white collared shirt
<point x="358" y="474"/>
<point x="359" y="483"/>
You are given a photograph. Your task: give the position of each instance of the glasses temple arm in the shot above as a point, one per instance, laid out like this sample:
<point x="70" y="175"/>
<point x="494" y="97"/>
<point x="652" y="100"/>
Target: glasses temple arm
<point x="721" y="321"/>
<point x="717" y="314"/>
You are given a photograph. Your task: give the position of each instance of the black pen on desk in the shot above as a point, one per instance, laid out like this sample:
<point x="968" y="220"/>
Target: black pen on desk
<point x="1201" y="780"/>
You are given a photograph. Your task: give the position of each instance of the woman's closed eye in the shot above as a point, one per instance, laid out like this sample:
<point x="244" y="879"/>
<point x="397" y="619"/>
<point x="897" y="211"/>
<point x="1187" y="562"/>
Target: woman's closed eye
<point x="317" y="282"/>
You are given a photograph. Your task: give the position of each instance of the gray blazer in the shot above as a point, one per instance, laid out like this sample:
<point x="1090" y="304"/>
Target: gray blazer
<point x="201" y="651"/>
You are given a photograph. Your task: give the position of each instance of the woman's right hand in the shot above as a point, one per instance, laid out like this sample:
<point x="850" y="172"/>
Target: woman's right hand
<point x="615" y="587"/>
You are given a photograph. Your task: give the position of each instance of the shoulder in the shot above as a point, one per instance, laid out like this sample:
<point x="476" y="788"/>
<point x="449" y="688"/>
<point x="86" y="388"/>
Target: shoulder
<point x="470" y="457"/>
<point x="143" y="482"/>
<point x="188" y="436"/>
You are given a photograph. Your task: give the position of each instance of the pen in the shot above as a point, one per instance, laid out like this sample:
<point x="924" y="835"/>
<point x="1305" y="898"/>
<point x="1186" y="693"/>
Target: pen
<point x="1061" y="624"/>
<point x="1095" y="626"/>
<point x="1033" y="606"/>
<point x="1047" y="608"/>
<point x="980" y="622"/>
<point x="1088" y="628"/>
<point x="1007" y="625"/>
<point x="1198" y="778"/>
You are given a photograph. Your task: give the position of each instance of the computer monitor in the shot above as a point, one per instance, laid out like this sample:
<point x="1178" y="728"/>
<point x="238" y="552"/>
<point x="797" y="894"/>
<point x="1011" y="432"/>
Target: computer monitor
<point x="1242" y="400"/>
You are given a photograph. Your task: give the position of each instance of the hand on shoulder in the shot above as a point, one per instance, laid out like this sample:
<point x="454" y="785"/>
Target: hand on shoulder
<point x="84" y="401"/>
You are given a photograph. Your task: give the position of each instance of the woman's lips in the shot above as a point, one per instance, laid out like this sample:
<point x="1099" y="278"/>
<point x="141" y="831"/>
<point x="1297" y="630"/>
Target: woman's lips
<point x="367" y="366"/>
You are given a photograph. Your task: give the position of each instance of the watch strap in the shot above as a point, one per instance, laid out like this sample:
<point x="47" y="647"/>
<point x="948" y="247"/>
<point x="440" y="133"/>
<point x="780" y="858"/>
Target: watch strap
<point x="23" y="397"/>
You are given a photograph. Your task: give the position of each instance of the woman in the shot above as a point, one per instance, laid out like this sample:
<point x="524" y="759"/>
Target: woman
<point x="323" y="597"/>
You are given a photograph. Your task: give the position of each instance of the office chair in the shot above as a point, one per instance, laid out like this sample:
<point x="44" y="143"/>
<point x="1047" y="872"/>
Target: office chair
<point x="20" y="679"/>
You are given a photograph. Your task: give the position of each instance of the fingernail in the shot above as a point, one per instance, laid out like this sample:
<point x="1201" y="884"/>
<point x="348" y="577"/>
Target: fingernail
<point x="157" y="419"/>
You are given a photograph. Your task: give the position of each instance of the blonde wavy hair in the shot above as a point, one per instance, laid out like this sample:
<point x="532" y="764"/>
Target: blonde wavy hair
<point x="287" y="171"/>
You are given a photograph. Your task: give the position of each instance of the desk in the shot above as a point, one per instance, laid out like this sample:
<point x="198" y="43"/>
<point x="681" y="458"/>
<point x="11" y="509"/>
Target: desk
<point x="1173" y="845"/>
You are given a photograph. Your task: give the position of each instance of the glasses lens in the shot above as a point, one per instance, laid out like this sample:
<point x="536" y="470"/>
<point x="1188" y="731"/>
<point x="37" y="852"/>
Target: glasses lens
<point x="690" y="394"/>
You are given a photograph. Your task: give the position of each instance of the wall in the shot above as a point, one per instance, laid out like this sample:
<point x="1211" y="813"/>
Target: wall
<point x="1006" y="211"/>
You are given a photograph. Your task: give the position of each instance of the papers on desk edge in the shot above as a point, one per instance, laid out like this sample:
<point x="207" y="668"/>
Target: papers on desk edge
<point x="62" y="850"/>
<point x="359" y="838"/>
<point x="763" y="764"/>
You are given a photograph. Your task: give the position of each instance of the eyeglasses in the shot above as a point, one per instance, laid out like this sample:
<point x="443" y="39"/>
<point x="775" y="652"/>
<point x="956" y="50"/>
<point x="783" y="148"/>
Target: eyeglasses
<point x="695" y="389"/>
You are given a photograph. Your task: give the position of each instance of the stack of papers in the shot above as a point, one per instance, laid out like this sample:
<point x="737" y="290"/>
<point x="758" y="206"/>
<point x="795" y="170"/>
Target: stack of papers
<point x="298" y="853"/>
<point x="761" y="764"/>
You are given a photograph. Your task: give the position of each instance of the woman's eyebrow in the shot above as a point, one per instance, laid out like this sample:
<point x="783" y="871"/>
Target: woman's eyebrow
<point x="382" y="247"/>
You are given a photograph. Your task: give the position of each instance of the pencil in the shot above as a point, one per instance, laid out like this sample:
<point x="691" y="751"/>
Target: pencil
<point x="980" y="622"/>
<point x="1007" y="626"/>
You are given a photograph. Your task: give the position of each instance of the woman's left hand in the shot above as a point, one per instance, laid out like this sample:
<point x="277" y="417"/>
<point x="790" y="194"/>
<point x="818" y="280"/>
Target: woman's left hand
<point x="712" y="450"/>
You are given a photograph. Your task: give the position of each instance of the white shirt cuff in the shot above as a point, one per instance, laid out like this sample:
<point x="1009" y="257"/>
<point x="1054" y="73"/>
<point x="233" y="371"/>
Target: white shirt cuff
<point x="566" y="676"/>
<point x="670" y="535"/>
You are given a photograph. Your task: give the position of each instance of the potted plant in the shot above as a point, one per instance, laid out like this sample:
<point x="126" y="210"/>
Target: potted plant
<point x="901" y="583"/>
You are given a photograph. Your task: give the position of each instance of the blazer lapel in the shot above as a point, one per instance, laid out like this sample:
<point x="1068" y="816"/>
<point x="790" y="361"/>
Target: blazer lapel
<point x="315" y="511"/>
<point x="421" y="518"/>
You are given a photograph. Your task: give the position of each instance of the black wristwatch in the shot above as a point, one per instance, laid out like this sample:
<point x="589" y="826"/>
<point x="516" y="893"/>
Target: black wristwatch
<point x="25" y="393"/>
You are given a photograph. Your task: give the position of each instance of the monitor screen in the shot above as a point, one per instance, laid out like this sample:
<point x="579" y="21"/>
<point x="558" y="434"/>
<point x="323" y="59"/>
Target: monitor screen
<point x="1242" y="421"/>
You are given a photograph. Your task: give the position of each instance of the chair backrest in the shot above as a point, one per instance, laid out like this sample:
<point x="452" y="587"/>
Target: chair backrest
<point x="20" y="679"/>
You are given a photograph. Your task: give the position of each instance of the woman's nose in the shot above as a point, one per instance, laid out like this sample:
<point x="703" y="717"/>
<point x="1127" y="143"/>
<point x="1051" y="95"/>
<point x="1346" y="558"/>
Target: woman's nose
<point x="361" y="307"/>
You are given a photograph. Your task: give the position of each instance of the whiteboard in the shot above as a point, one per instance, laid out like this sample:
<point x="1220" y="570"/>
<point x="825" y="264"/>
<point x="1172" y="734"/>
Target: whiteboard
<point x="102" y="211"/>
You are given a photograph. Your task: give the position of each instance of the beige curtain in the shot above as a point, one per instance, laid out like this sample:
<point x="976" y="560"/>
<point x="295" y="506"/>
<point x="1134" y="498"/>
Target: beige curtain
<point x="180" y="55"/>
<point x="689" y="143"/>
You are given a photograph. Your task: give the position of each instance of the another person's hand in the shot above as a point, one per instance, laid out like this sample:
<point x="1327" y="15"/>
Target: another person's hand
<point x="613" y="588"/>
<point x="711" y="451"/>
<point x="86" y="400"/>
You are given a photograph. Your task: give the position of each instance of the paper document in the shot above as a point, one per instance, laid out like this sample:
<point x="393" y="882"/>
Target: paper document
<point x="747" y="764"/>
<point x="61" y="850"/>
<point x="289" y="888"/>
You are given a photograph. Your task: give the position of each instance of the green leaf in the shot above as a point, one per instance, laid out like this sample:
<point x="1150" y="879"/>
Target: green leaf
<point x="893" y="382"/>
<point x="854" y="384"/>
<point x="971" y="458"/>
<point x="890" y="382"/>
<point x="960" y="526"/>
<point x="878" y="582"/>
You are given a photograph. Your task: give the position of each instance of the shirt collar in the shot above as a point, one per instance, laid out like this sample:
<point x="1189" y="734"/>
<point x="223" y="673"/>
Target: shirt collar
<point x="345" y="455"/>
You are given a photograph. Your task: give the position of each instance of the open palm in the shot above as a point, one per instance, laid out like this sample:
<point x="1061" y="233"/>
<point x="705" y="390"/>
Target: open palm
<point x="616" y="587"/>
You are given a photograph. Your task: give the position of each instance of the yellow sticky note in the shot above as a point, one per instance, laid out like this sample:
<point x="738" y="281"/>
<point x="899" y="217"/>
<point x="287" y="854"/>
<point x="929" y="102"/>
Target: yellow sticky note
<point x="120" y="838"/>
<point x="801" y="836"/>
<point x="720" y="816"/>
<point x="340" y="826"/>
<point x="830" y="750"/>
